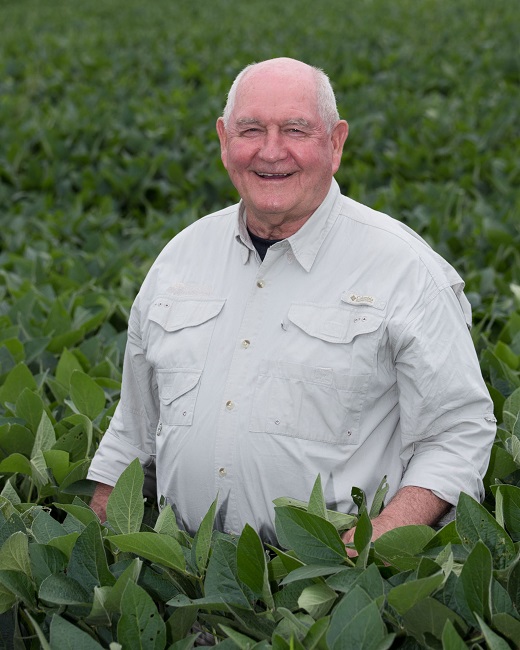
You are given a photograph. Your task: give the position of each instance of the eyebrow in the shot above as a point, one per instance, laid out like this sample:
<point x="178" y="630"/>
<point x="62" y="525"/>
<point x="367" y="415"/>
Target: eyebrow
<point x="297" y="121"/>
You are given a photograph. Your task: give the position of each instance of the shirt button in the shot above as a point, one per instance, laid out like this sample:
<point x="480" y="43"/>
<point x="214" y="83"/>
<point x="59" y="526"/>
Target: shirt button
<point x="260" y="284"/>
<point x="246" y="343"/>
<point x="222" y="472"/>
<point x="159" y="428"/>
<point x="229" y="405"/>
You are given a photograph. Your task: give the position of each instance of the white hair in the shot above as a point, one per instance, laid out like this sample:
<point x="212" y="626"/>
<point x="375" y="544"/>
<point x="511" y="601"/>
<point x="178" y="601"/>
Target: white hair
<point x="326" y="99"/>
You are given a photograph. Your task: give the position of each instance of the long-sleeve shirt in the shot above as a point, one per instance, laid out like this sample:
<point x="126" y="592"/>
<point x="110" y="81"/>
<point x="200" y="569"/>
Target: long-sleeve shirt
<point x="345" y="353"/>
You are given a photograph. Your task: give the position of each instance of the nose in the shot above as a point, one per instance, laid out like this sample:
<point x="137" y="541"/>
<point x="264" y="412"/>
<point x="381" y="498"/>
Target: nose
<point x="273" y="146"/>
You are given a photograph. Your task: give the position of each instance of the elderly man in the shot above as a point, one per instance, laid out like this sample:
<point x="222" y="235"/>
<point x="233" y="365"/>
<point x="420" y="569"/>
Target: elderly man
<point x="297" y="333"/>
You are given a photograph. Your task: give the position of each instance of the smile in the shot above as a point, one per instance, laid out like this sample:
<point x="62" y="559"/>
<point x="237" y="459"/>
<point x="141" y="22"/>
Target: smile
<point x="264" y="175"/>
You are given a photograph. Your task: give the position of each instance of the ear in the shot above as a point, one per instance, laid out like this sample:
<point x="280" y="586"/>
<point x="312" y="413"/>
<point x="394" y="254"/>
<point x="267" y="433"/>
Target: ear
<point x="338" y="137"/>
<point x="222" y="136"/>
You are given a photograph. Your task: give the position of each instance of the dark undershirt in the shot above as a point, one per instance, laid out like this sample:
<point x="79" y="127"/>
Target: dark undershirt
<point x="261" y="244"/>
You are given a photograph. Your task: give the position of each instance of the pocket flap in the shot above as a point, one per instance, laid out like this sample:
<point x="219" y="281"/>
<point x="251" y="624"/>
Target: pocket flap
<point x="173" y="314"/>
<point x="173" y="384"/>
<point x="332" y="324"/>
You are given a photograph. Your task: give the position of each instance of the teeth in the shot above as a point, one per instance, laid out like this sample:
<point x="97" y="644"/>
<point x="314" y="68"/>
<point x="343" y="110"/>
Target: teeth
<point x="272" y="175"/>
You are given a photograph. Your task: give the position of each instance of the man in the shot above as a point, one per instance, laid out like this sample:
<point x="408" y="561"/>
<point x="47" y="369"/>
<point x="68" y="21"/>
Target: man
<point x="297" y="333"/>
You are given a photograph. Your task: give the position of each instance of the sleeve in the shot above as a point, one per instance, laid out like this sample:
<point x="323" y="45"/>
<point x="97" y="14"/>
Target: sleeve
<point x="447" y="422"/>
<point x="131" y="433"/>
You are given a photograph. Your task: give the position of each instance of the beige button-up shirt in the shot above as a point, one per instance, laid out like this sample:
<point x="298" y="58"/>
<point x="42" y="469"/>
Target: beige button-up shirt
<point x="346" y="352"/>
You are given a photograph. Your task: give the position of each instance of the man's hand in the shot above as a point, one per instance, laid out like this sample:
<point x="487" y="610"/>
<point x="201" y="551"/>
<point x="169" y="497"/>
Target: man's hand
<point x="411" y="505"/>
<point x="99" y="500"/>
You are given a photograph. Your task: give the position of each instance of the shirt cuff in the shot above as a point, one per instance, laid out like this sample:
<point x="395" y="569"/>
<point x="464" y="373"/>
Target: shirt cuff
<point x="112" y="458"/>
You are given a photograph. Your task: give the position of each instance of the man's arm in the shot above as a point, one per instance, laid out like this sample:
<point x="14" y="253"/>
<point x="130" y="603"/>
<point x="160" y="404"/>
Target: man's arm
<point x="411" y="505"/>
<point x="99" y="500"/>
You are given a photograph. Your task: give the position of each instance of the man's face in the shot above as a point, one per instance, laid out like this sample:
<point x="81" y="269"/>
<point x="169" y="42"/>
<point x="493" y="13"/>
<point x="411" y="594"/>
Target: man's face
<point x="277" y="150"/>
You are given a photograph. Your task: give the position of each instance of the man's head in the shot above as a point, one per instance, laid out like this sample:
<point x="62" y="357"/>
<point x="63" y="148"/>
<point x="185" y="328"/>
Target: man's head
<point x="281" y="142"/>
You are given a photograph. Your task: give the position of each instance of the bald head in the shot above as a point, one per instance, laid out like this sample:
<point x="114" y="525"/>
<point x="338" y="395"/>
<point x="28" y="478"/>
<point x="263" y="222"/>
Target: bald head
<point x="293" y="70"/>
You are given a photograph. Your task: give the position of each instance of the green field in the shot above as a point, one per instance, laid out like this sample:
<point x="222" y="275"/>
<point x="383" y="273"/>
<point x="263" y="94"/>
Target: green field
<point x="107" y="150"/>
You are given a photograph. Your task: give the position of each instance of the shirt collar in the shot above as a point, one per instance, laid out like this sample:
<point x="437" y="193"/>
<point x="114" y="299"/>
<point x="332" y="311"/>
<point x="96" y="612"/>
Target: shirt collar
<point x="307" y="241"/>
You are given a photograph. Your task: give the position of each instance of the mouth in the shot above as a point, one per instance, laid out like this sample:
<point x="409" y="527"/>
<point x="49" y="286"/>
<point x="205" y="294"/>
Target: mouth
<point x="273" y="176"/>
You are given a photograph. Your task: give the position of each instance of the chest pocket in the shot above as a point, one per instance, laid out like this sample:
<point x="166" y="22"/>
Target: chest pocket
<point x="179" y="336"/>
<point x="316" y="391"/>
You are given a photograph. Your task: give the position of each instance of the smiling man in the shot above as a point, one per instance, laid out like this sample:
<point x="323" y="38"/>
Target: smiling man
<point x="297" y="333"/>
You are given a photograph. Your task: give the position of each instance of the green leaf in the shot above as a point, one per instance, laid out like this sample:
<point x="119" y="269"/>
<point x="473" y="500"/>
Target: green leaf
<point x="400" y="545"/>
<point x="45" y="436"/>
<point x="493" y="641"/>
<point x="66" y="636"/>
<point x="44" y="644"/>
<point x="317" y="600"/>
<point x="311" y="571"/>
<point x="315" y="637"/>
<point x="44" y="527"/>
<point x="509" y="497"/>
<point x="202" y="541"/>
<point x="345" y="611"/>
<point x="314" y="540"/>
<point x="155" y="547"/>
<point x="403" y="597"/>
<point x="19" y="378"/>
<point x="167" y="523"/>
<point x="474" y="523"/>
<point x="140" y="625"/>
<point x="82" y="513"/>
<point x="451" y="639"/>
<point x="67" y="364"/>
<point x="379" y="498"/>
<point x="252" y="565"/>
<point x="45" y="560"/>
<point x="340" y="520"/>
<point x="88" y="563"/>
<point x="241" y="640"/>
<point x="14" y="554"/>
<point x="317" y="504"/>
<point x="222" y="582"/>
<point x="130" y="574"/>
<point x="62" y="590"/>
<point x="125" y="507"/>
<point x="29" y="407"/>
<point x="64" y="543"/>
<point x="20" y="585"/>
<point x="508" y="626"/>
<point x="16" y="463"/>
<point x="364" y="631"/>
<point x="429" y="616"/>
<point x="88" y="397"/>
<point x="511" y="410"/>
<point x="58" y="462"/>
<point x="369" y="580"/>
<point x="362" y="538"/>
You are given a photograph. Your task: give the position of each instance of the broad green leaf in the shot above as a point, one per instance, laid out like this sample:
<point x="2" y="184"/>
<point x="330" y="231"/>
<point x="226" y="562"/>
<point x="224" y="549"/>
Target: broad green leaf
<point x="67" y="364"/>
<point x="493" y="641"/>
<point x="446" y="535"/>
<point x="340" y="520"/>
<point x="368" y="579"/>
<point x="508" y="626"/>
<point x="314" y="540"/>
<point x="16" y="463"/>
<point x="98" y="615"/>
<point x="19" y="378"/>
<point x="29" y="407"/>
<point x="140" y="625"/>
<point x="7" y="599"/>
<point x="155" y="547"/>
<point x="241" y="640"/>
<point x="317" y="504"/>
<point x="125" y="507"/>
<point x="252" y="565"/>
<point x="513" y="582"/>
<point x="45" y="436"/>
<point x="400" y="545"/>
<point x="508" y="496"/>
<point x="44" y="527"/>
<point x="88" y="563"/>
<point x="348" y="607"/>
<point x="88" y="397"/>
<point x="451" y="639"/>
<point x="364" y="631"/>
<point x="66" y="636"/>
<point x="57" y="461"/>
<point x="317" y="600"/>
<point x="185" y="643"/>
<point x="45" y="560"/>
<point x="10" y="493"/>
<point x="248" y="622"/>
<point x="180" y="623"/>
<point x="39" y="473"/>
<point x="20" y="585"/>
<point x="62" y="590"/>
<point x="14" y="438"/>
<point x="82" y="513"/>
<point x="315" y="637"/>
<point x="405" y="596"/>
<point x="429" y="616"/>
<point x="167" y="523"/>
<point x="222" y="581"/>
<point x="64" y="543"/>
<point x="14" y="554"/>
<point x="476" y="578"/>
<point x="202" y="541"/>
<point x="130" y="574"/>
<point x="474" y="523"/>
<point x="288" y="560"/>
<point x="310" y="571"/>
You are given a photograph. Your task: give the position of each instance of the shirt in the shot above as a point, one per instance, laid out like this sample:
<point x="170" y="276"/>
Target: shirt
<point x="345" y="353"/>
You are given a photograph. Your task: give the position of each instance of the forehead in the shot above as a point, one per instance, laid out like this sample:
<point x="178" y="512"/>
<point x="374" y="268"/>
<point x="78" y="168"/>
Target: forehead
<point x="277" y="95"/>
